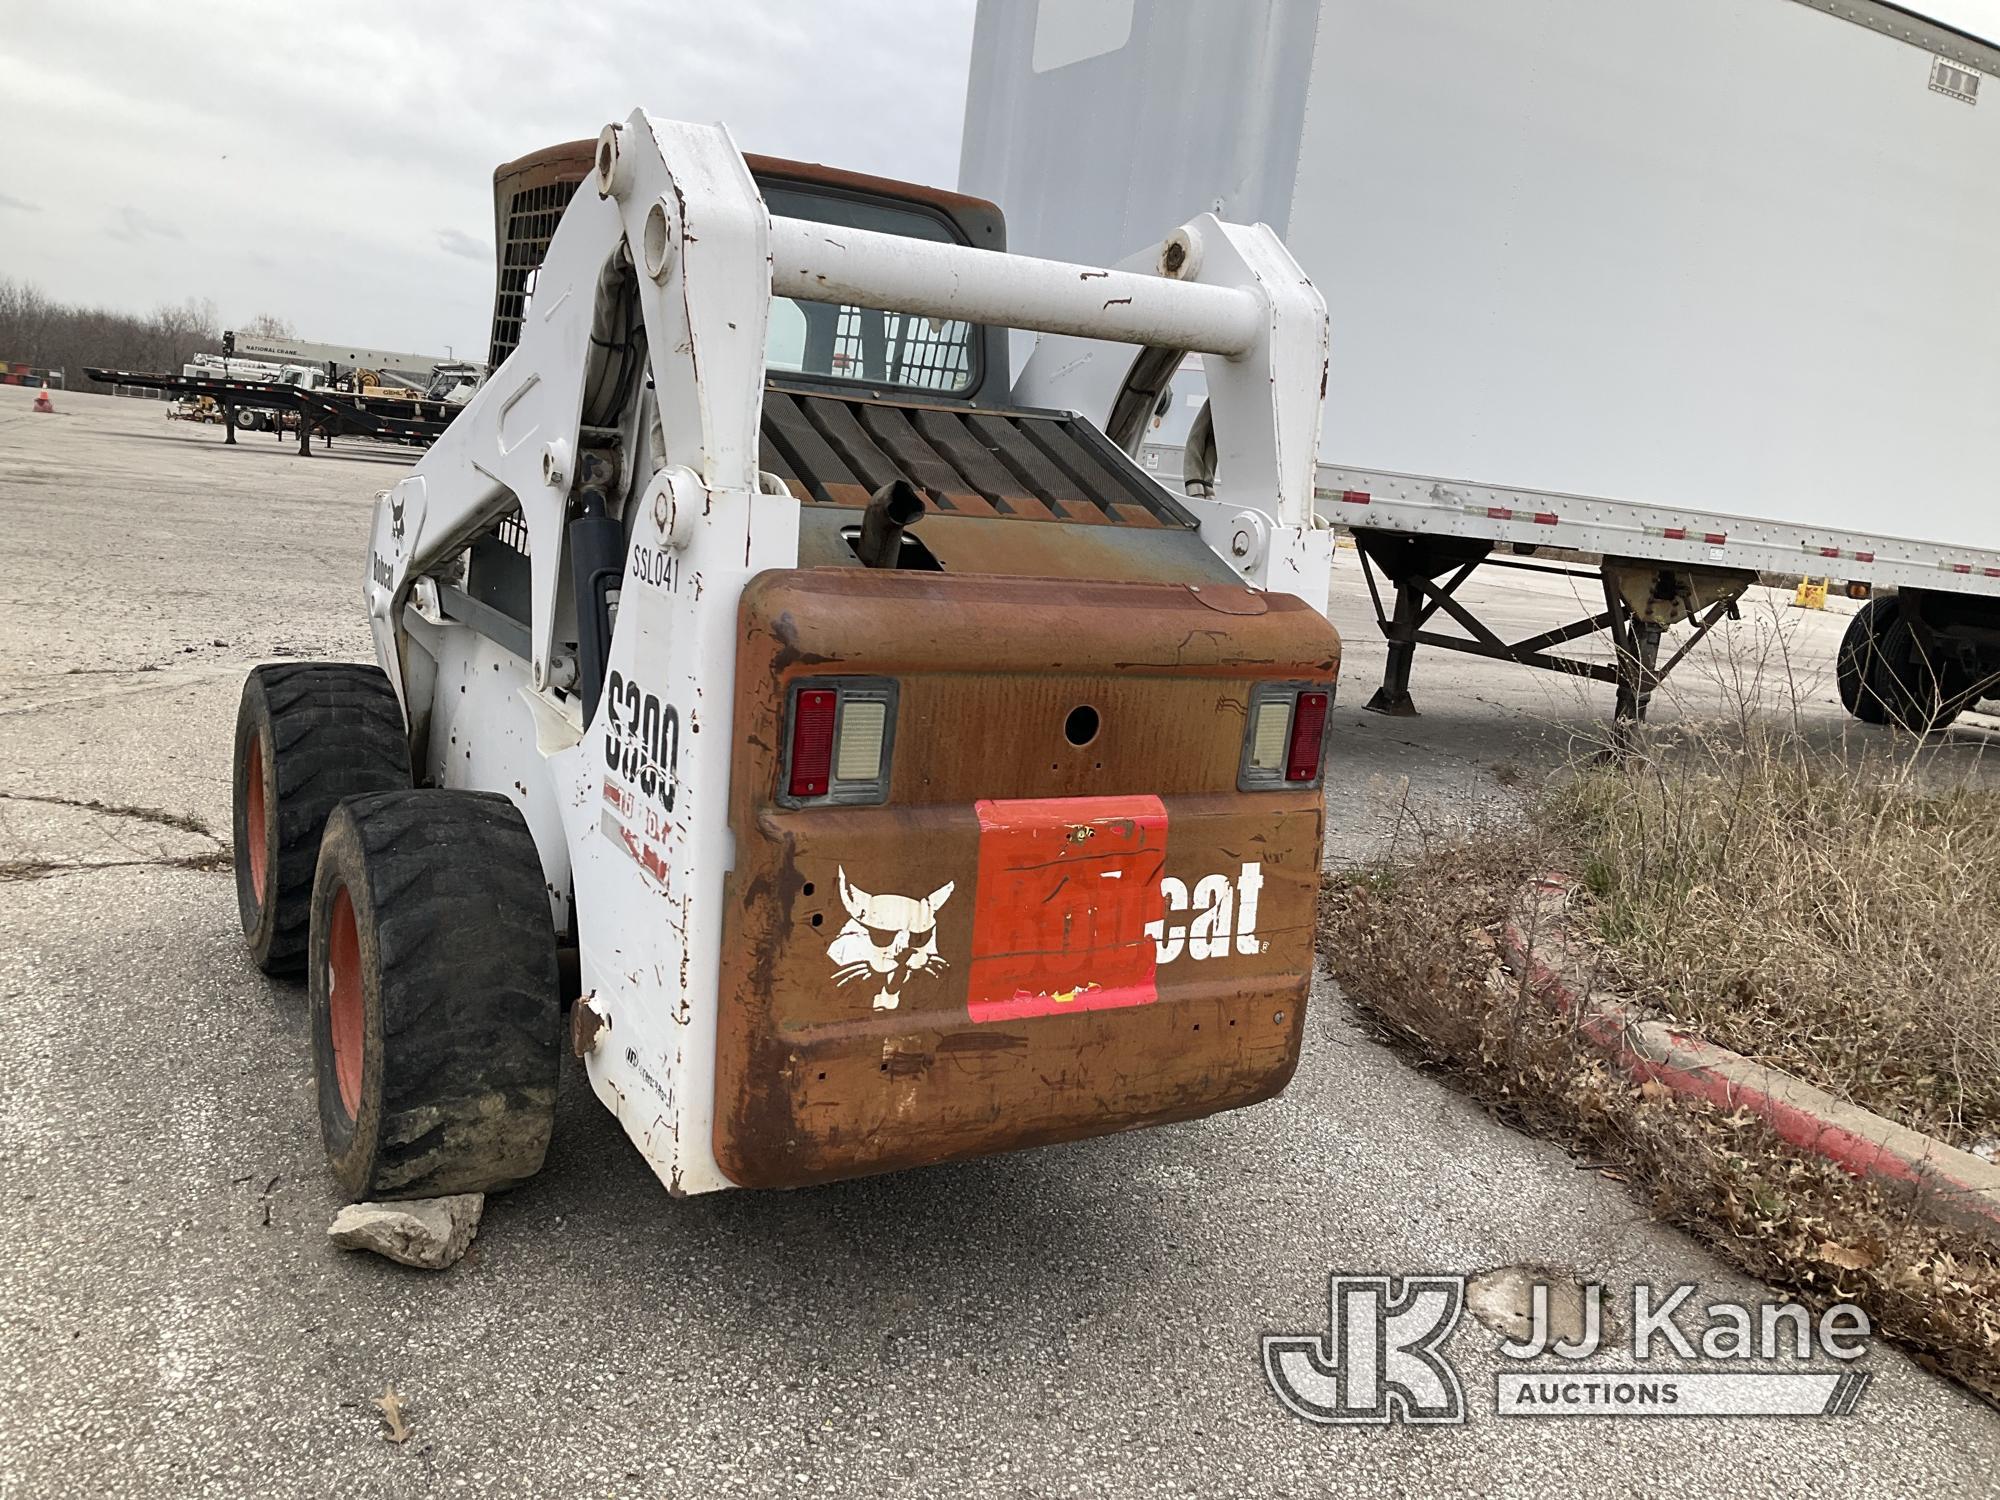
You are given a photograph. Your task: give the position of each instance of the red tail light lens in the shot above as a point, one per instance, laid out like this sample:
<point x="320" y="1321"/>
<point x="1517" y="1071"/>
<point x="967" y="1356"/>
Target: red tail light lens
<point x="1308" y="726"/>
<point x="812" y="741"/>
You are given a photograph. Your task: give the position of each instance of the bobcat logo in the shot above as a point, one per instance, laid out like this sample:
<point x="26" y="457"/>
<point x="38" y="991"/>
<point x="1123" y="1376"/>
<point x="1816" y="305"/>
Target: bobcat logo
<point x="886" y="939"/>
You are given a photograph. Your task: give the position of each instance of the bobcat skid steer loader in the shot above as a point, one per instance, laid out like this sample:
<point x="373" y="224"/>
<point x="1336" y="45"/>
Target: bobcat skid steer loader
<point x="897" y="772"/>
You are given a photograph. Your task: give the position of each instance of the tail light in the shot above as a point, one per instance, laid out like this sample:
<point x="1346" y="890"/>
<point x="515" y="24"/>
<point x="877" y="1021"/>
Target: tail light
<point x="1285" y="739"/>
<point x="837" y="741"/>
<point x="1308" y="734"/>
<point x="812" y="742"/>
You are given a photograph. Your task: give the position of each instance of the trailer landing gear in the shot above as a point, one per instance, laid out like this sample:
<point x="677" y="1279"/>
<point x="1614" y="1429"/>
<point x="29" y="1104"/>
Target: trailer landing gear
<point x="307" y="428"/>
<point x="1642" y="600"/>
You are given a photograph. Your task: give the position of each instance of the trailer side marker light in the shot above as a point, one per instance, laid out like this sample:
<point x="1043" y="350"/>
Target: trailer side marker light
<point x="1675" y="533"/>
<point x="812" y="742"/>
<point x="1864" y="557"/>
<point x="1829" y="552"/>
<point x="1546" y="518"/>
<point x="1993" y="572"/>
<point x="1499" y="513"/>
<point x="1715" y="538"/>
<point x="1308" y="733"/>
<point x="1356" y="497"/>
<point x="1961" y="567"/>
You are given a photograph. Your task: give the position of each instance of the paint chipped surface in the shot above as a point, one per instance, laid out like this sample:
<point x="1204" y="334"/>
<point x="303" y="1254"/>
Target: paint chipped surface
<point x="1067" y="887"/>
<point x="1106" y="960"/>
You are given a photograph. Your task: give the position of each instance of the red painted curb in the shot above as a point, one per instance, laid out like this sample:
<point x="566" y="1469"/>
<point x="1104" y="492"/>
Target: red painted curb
<point x="1946" y="1183"/>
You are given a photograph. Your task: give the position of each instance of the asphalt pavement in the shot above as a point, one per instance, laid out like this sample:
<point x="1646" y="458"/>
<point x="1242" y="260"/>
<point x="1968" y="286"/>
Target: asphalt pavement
<point x="1080" y="1320"/>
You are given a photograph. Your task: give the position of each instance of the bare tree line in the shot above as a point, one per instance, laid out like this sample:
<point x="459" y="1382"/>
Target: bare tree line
<point x="37" y="330"/>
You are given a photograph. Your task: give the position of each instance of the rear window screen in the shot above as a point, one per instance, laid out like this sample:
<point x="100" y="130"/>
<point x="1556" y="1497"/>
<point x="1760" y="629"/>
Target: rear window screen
<point x="862" y="344"/>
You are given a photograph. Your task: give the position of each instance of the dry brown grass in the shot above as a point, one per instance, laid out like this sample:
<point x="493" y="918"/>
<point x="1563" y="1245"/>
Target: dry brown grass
<point x="1415" y="946"/>
<point x="1823" y="914"/>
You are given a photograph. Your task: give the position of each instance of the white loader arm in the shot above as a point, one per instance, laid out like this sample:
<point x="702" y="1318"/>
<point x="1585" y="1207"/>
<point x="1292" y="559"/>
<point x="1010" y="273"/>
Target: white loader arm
<point x="1265" y="400"/>
<point x="675" y="203"/>
<point x="697" y="233"/>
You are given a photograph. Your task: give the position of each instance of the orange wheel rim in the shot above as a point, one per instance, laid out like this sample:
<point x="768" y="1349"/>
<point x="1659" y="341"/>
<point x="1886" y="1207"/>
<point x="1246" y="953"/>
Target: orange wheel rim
<point x="343" y="999"/>
<point x="253" y="816"/>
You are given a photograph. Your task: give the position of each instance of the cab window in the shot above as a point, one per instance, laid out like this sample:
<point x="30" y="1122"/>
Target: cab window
<point x="863" y="344"/>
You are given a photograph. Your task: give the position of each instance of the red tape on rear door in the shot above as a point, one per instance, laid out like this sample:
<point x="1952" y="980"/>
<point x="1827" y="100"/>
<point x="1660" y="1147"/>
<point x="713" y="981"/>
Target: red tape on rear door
<point x="1066" y="888"/>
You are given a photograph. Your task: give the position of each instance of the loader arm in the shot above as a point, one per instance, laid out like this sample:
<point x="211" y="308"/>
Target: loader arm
<point x="518" y="443"/>
<point x="676" y="203"/>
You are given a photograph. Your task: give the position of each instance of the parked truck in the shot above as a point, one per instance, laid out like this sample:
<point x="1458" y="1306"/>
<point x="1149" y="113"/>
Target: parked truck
<point x="910" y="776"/>
<point x="1668" y="295"/>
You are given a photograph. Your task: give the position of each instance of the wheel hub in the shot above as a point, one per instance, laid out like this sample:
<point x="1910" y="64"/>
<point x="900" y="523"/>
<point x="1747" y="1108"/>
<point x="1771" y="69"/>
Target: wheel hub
<point x="343" y="998"/>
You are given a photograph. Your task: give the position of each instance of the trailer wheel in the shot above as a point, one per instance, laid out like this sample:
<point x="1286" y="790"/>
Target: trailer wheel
<point x="434" y="995"/>
<point x="247" y="420"/>
<point x="1860" y="648"/>
<point x="1916" y="693"/>
<point x="307" y="735"/>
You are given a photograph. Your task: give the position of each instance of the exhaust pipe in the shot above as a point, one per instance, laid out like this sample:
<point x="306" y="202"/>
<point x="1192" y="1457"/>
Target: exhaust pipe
<point x="890" y="509"/>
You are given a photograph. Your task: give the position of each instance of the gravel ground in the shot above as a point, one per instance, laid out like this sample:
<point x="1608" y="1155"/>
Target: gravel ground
<point x="1082" y="1320"/>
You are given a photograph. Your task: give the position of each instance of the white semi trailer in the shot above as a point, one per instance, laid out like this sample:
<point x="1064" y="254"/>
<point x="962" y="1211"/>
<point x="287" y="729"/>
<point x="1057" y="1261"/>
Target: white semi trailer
<point x="1701" y="289"/>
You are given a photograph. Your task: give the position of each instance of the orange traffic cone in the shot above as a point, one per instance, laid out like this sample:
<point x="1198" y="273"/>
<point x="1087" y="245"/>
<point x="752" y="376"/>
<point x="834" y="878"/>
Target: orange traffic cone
<point x="42" y="402"/>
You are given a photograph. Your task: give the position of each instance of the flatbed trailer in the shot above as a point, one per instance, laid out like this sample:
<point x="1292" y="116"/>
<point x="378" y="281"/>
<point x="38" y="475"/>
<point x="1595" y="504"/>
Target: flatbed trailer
<point x="389" y="419"/>
<point x="1681" y="293"/>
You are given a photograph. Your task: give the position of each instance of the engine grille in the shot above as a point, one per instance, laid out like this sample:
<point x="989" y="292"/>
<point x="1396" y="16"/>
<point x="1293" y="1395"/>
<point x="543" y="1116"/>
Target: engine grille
<point x="837" y="450"/>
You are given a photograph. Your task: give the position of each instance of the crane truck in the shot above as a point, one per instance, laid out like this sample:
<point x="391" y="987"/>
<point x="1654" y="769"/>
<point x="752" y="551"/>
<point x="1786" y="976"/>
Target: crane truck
<point x="908" y="775"/>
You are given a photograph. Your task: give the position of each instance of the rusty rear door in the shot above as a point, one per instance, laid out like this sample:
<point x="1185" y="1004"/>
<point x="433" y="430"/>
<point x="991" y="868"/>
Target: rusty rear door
<point x="1023" y="932"/>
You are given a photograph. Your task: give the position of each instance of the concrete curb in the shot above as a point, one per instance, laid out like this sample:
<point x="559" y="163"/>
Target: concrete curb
<point x="1943" y="1183"/>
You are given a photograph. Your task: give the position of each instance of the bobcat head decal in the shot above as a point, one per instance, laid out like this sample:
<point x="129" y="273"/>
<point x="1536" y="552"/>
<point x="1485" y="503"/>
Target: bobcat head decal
<point x="886" y="939"/>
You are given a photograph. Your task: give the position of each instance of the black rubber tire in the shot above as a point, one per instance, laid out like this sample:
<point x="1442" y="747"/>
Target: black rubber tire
<point x="248" y="420"/>
<point x="313" y="732"/>
<point x="1915" y="695"/>
<point x="437" y="990"/>
<point x="1859" y="648"/>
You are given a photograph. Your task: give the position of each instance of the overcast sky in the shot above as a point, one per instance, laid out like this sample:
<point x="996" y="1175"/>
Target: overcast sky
<point x="332" y="164"/>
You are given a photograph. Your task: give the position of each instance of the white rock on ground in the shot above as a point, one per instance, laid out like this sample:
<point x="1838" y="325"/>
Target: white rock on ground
<point x="429" y="1233"/>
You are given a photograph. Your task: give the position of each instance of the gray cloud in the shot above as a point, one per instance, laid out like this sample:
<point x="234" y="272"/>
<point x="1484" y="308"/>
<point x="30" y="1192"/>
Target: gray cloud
<point x="134" y="224"/>
<point x="338" y="170"/>
<point x="458" y="242"/>
<point x="19" y="205"/>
